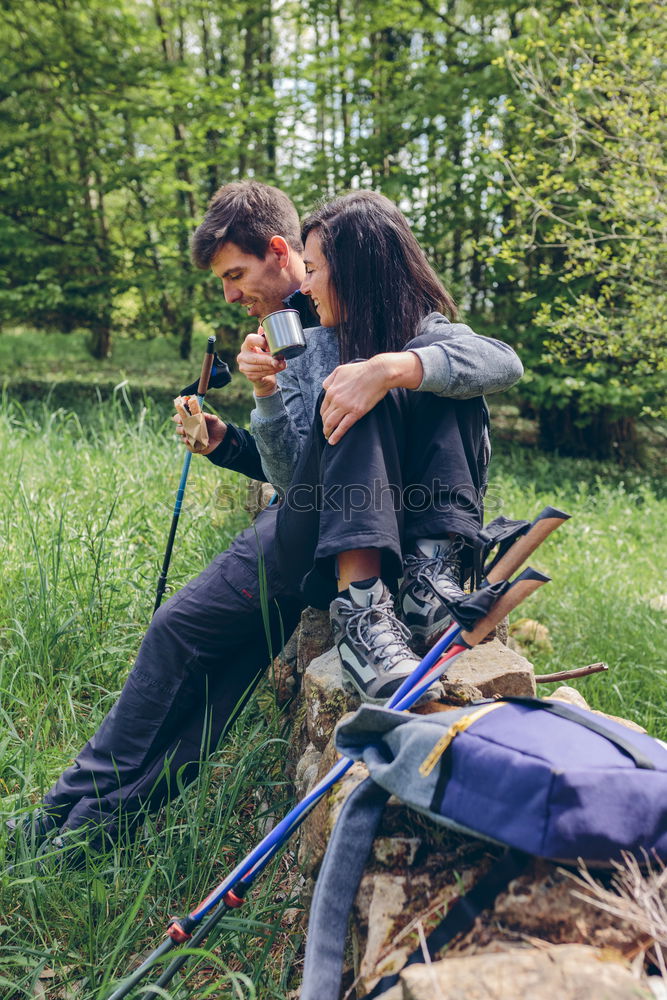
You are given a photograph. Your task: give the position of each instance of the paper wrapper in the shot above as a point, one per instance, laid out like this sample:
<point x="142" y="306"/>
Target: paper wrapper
<point x="194" y="425"/>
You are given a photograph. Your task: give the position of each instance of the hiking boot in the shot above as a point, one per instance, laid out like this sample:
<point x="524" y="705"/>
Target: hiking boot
<point x="32" y="838"/>
<point x="432" y="576"/>
<point x="27" y="833"/>
<point x="372" y="643"/>
<point x="66" y="852"/>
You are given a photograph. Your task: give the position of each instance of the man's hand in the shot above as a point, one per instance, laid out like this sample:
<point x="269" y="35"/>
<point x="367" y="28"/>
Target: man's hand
<point x="353" y="390"/>
<point x="216" y="428"/>
<point x="256" y="363"/>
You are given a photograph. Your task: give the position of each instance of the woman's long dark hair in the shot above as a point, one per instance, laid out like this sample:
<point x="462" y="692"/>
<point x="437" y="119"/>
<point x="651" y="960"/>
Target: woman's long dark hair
<point x="382" y="281"/>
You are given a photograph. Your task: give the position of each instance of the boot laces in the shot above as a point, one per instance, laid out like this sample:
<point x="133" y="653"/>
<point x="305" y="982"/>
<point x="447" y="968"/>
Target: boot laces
<point x="428" y="570"/>
<point x="376" y="629"/>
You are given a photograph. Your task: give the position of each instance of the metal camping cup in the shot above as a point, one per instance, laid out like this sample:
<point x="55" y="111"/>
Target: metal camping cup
<point x="284" y="333"/>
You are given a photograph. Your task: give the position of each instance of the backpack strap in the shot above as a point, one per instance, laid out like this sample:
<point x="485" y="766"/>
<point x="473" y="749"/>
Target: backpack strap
<point x="462" y="915"/>
<point x="589" y="722"/>
<point x="337" y="883"/>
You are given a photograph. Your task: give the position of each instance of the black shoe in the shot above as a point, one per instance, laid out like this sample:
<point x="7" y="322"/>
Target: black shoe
<point x="66" y="852"/>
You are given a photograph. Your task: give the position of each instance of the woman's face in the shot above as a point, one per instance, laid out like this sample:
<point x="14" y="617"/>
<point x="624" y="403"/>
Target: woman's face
<point x="316" y="282"/>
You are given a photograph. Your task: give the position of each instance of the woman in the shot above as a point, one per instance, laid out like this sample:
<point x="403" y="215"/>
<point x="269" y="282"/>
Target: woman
<point x="381" y="480"/>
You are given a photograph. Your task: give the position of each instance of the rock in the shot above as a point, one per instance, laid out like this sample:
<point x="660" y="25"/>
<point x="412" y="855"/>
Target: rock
<point x="395" y="993"/>
<point x="396" y="852"/>
<point x="531" y="635"/>
<point x="564" y="972"/>
<point x="540" y="903"/>
<point x="258" y="496"/>
<point x="573" y="697"/>
<point x="502" y="630"/>
<point x="315" y="637"/>
<point x="284" y="670"/>
<point x="307" y="768"/>
<point x="420" y="898"/>
<point x="493" y="669"/>
<point x="568" y="694"/>
<point x="317" y="828"/>
<point x="386" y="904"/>
<point x="624" y="722"/>
<point x="326" y="698"/>
<point x="459" y="694"/>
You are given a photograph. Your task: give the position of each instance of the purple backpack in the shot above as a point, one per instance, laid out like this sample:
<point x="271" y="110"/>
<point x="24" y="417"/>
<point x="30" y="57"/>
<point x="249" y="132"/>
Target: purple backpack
<point x="541" y="777"/>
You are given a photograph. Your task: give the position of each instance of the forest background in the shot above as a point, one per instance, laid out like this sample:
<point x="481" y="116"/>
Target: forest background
<point x="526" y="144"/>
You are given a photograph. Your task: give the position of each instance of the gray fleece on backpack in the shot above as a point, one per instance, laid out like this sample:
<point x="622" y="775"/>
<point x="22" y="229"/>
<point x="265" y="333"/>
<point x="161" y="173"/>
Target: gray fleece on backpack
<point x="461" y="365"/>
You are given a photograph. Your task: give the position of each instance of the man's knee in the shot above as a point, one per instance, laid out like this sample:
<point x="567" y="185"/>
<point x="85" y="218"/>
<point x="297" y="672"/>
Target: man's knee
<point x="166" y="645"/>
<point x="162" y="623"/>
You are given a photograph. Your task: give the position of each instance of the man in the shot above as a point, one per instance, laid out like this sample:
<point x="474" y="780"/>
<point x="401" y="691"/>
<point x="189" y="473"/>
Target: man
<point x="206" y="647"/>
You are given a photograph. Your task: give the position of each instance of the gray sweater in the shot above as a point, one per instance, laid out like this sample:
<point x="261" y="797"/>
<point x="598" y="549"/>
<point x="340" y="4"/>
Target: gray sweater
<point x="461" y="365"/>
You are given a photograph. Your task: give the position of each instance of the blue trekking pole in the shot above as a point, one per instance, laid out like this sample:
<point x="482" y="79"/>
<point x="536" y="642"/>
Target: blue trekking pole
<point x="502" y="598"/>
<point x="214" y="373"/>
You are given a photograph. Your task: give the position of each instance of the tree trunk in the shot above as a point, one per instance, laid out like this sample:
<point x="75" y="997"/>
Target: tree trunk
<point x="185" y="206"/>
<point x="574" y="430"/>
<point x="100" y="338"/>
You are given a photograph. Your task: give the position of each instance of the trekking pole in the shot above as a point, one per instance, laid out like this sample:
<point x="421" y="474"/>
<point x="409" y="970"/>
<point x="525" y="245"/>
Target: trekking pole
<point x="230" y="893"/>
<point x="501" y="569"/>
<point x="433" y="665"/>
<point x="202" y="386"/>
<point x="505" y="565"/>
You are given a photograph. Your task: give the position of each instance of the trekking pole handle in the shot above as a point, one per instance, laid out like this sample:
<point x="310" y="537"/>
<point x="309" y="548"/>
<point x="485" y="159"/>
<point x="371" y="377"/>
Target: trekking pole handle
<point x="545" y="522"/>
<point x="207" y="365"/>
<point x="520" y="589"/>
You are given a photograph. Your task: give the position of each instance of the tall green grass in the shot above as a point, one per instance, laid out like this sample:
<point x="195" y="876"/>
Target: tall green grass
<point x="606" y="564"/>
<point x="85" y="507"/>
<point x="84" y="514"/>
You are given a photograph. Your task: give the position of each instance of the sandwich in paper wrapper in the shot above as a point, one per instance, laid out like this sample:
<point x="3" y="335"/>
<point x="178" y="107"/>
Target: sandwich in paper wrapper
<point x="194" y="425"/>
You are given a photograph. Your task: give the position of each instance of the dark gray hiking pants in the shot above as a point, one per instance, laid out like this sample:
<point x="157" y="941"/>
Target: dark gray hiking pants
<point x="202" y="655"/>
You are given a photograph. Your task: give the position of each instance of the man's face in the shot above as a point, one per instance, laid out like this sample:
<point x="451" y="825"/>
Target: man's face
<point x="259" y="285"/>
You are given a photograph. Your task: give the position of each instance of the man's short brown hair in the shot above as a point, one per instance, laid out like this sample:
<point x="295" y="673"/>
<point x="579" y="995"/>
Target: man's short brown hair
<point x="248" y="214"/>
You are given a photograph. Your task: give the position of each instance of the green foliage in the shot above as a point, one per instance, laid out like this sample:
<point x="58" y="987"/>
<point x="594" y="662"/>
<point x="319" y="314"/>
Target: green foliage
<point x="109" y="159"/>
<point x="526" y="145"/>
<point x="606" y="566"/>
<point x="58" y="369"/>
<point x="588" y="238"/>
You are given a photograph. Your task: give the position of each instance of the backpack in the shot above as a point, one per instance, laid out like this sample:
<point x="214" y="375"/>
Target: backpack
<point x="542" y="777"/>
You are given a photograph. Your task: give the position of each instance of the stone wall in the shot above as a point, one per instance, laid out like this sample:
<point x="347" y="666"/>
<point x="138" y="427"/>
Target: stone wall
<point x="538" y="941"/>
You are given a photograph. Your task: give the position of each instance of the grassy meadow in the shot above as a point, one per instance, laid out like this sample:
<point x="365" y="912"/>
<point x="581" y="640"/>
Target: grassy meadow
<point x="84" y="512"/>
<point x="58" y="367"/>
